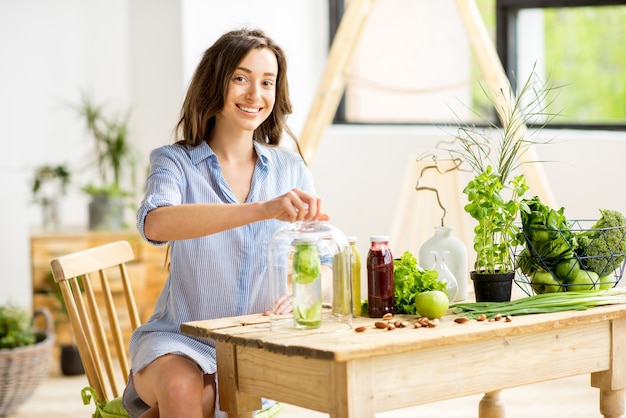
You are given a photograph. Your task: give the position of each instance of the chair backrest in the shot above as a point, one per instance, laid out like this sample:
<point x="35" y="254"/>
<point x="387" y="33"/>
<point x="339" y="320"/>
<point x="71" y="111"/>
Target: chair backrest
<point x="88" y="292"/>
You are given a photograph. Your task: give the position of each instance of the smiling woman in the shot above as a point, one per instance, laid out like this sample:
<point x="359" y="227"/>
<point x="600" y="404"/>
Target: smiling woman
<point x="216" y="196"/>
<point x="250" y="97"/>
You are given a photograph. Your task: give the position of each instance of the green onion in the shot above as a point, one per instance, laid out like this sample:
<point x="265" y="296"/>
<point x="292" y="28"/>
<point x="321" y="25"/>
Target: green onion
<point x="543" y="303"/>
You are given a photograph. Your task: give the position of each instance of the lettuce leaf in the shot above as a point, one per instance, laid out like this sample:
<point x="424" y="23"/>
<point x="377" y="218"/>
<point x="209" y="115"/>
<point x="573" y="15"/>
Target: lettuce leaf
<point x="409" y="280"/>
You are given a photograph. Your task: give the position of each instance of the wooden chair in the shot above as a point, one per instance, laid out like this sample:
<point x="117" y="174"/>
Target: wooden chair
<point x="87" y="290"/>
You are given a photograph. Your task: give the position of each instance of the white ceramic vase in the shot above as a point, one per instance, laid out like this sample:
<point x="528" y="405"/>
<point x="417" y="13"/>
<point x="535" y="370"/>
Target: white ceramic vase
<point x="456" y="259"/>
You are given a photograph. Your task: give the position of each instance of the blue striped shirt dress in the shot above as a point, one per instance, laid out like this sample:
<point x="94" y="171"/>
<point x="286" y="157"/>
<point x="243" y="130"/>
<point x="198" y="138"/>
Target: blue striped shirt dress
<point x="220" y="275"/>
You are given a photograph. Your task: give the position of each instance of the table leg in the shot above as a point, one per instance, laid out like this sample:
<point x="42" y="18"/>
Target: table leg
<point x="611" y="403"/>
<point x="236" y="404"/>
<point x="612" y="382"/>
<point x="355" y="390"/>
<point x="491" y="406"/>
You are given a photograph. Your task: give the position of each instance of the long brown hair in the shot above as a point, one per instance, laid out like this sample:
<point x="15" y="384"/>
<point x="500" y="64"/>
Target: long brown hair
<point x="208" y="87"/>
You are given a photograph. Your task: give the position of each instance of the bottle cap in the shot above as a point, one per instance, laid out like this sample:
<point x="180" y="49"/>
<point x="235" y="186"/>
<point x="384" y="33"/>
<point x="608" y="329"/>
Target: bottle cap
<point x="305" y="240"/>
<point x="351" y="238"/>
<point x="379" y="238"/>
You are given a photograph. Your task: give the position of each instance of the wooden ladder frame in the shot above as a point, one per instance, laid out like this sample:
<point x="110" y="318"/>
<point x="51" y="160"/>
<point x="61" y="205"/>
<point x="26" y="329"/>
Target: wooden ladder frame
<point x="333" y="81"/>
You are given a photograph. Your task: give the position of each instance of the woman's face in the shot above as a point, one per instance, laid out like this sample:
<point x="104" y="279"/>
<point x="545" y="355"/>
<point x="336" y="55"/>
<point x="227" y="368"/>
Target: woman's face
<point x="251" y="91"/>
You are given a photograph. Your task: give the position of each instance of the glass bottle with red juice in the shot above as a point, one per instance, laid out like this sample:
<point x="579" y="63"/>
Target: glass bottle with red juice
<point x="380" y="298"/>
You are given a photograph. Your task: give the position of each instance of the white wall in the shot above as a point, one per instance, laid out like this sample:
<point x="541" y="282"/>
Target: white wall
<point x="135" y="55"/>
<point x="49" y="51"/>
<point x="125" y="54"/>
<point x="140" y="54"/>
<point x="367" y="177"/>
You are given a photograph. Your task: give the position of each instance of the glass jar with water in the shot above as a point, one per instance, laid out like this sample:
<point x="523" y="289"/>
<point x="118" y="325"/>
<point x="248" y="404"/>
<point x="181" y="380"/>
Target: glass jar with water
<point x="310" y="263"/>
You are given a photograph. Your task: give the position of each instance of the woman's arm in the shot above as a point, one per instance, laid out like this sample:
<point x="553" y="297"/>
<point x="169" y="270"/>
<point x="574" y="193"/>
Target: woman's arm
<point x="188" y="221"/>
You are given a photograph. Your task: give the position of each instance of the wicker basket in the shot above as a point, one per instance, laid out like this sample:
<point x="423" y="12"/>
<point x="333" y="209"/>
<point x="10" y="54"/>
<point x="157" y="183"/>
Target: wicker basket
<point x="22" y="369"/>
<point x="610" y="278"/>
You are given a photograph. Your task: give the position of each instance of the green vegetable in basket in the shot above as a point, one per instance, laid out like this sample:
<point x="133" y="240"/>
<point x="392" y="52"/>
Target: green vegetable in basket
<point x="543" y="281"/>
<point x="582" y="280"/>
<point x="547" y="235"/>
<point x="567" y="268"/>
<point x="603" y="248"/>
<point x="526" y="262"/>
<point x="607" y="282"/>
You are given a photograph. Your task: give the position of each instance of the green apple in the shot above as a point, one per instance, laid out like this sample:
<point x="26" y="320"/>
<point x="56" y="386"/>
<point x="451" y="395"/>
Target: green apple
<point x="543" y="281"/>
<point x="432" y="303"/>
<point x="583" y="280"/>
<point x="606" y="282"/>
<point x="566" y="268"/>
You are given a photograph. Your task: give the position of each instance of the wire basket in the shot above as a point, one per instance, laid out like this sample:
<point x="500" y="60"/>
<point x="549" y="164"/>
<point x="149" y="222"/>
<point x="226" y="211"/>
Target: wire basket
<point x="572" y="269"/>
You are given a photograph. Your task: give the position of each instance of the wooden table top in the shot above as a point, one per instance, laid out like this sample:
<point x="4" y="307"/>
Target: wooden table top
<point x="254" y="331"/>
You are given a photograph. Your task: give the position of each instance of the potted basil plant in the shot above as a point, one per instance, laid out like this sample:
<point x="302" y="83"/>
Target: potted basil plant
<point x="495" y="206"/>
<point x="495" y="192"/>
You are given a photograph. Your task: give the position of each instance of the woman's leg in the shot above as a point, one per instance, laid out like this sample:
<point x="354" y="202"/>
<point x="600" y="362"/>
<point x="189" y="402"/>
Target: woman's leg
<point x="177" y="387"/>
<point x="151" y="413"/>
<point x="209" y="395"/>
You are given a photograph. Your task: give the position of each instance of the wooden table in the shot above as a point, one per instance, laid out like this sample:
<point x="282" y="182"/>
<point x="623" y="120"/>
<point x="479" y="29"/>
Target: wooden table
<point x="356" y="374"/>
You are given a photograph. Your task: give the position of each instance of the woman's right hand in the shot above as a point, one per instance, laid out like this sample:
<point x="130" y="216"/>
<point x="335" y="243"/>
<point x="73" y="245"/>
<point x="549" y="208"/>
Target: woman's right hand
<point x="296" y="205"/>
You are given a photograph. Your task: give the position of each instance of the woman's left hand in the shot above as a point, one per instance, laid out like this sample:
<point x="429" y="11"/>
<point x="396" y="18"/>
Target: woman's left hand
<point x="282" y="306"/>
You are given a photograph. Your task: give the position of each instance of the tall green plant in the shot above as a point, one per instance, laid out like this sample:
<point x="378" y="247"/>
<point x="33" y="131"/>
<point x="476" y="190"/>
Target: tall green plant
<point x="477" y="147"/>
<point x="494" y="155"/>
<point x="114" y="154"/>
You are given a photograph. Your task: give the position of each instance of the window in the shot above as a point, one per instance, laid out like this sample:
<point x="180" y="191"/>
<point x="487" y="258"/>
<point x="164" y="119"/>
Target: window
<point x="578" y="45"/>
<point x="414" y="65"/>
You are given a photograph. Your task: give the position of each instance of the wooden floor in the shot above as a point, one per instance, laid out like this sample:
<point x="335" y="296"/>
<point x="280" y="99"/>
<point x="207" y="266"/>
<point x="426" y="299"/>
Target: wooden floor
<point x="59" y="397"/>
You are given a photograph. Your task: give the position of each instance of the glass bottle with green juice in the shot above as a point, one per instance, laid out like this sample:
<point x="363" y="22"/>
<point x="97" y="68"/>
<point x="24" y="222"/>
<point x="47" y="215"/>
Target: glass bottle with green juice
<point x="355" y="272"/>
<point x="307" y="285"/>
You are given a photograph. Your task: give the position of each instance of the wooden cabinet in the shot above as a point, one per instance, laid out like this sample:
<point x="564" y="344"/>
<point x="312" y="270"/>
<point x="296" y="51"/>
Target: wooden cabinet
<point x="147" y="271"/>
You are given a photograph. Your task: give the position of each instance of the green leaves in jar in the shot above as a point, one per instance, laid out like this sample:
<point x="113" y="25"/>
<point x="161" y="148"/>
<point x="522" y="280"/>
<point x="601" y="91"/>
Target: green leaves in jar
<point x="306" y="263"/>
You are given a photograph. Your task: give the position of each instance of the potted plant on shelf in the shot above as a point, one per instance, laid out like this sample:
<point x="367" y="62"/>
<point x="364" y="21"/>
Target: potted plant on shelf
<point x="494" y="194"/>
<point x="49" y="184"/>
<point x="114" y="158"/>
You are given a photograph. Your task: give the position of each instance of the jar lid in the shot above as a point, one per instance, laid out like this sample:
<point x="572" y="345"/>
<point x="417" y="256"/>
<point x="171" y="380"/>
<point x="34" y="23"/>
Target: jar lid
<point x="379" y="238"/>
<point x="305" y="239"/>
<point x="351" y="238"/>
